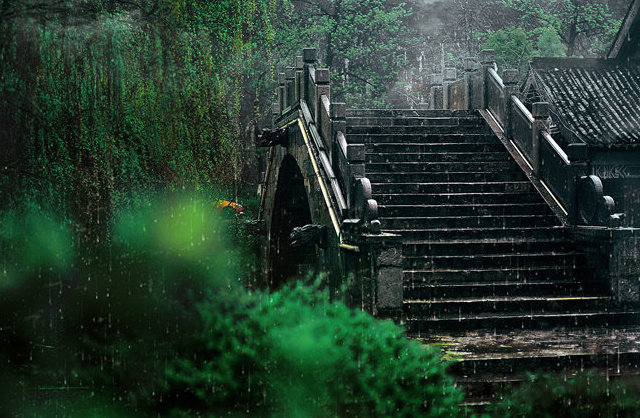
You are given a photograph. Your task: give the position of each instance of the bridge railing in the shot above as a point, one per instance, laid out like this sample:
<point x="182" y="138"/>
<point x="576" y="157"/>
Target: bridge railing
<point x="561" y="176"/>
<point x="305" y="91"/>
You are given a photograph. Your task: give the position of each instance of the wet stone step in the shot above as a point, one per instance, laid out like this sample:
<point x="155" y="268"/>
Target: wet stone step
<point x="526" y="274"/>
<point x="500" y="209"/>
<point x="490" y="145"/>
<point x="437" y="157"/>
<point x="549" y="304"/>
<point x="427" y="113"/>
<point x="456" y="198"/>
<point x="399" y="130"/>
<point x="439" y="177"/>
<point x="522" y="320"/>
<point x="424" y="291"/>
<point x="485" y="246"/>
<point x="479" y="261"/>
<point x="429" y="167"/>
<point x="413" y="121"/>
<point x="451" y="187"/>
<point x="434" y="136"/>
<point x="510" y="221"/>
<point x="473" y="233"/>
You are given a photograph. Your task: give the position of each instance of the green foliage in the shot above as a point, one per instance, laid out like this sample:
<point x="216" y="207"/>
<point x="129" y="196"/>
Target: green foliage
<point x="156" y="322"/>
<point x="585" y="27"/>
<point x="513" y="48"/>
<point x="549" y="43"/>
<point x="363" y="42"/>
<point x="585" y="395"/>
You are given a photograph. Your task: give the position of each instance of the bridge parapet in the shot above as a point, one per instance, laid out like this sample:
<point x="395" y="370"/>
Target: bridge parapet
<point x="311" y="128"/>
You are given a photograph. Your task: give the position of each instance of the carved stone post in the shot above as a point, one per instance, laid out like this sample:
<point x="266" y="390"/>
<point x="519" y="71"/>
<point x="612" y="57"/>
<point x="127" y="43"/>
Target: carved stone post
<point x="510" y="80"/>
<point x="338" y="124"/>
<point x="275" y="112"/>
<point x="282" y="93"/>
<point x="290" y="84"/>
<point x="436" y="92"/>
<point x="309" y="58"/>
<point x="578" y="157"/>
<point x="299" y="77"/>
<point x="488" y="60"/>
<point x="470" y="76"/>
<point x="322" y="89"/>
<point x="449" y="77"/>
<point x="540" y="112"/>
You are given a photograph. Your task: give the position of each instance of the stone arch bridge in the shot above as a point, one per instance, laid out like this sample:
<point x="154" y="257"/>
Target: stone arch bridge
<point x="465" y="218"/>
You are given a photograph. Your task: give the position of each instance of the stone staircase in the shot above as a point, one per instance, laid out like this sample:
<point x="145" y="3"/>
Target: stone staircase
<point x="483" y="255"/>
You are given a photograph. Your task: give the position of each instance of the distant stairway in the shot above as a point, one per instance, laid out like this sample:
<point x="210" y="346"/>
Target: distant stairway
<point x="483" y="253"/>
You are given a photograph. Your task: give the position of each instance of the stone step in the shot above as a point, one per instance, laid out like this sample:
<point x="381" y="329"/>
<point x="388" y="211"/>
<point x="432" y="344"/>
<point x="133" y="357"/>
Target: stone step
<point x="426" y="291"/>
<point x="413" y="121"/>
<point x="508" y="221"/>
<point x="431" y="167"/>
<point x="456" y="177"/>
<point x="525" y="304"/>
<point x="433" y="136"/>
<point x="437" y="157"/>
<point x="488" y="145"/>
<point x="522" y="320"/>
<point x="453" y="275"/>
<point x="500" y="209"/>
<point x="424" y="113"/>
<point x="484" y="246"/>
<point x="397" y="131"/>
<point x="456" y="198"/>
<point x="486" y="261"/>
<point x="453" y="187"/>
<point x="434" y="234"/>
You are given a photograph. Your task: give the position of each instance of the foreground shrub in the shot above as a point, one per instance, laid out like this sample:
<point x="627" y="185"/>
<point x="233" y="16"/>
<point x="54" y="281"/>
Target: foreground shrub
<point x="585" y="395"/>
<point x="157" y="322"/>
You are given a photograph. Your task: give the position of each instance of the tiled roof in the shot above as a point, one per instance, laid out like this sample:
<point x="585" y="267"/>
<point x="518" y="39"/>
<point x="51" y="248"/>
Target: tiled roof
<point x="597" y="100"/>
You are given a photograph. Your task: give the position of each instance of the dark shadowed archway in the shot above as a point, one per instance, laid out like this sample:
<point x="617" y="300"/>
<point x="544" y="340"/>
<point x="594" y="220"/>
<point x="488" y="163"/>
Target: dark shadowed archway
<point x="291" y="209"/>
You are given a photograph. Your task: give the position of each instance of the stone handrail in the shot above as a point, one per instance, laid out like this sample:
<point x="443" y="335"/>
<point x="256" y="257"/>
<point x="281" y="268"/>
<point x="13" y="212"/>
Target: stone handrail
<point x="306" y="90"/>
<point x="561" y="176"/>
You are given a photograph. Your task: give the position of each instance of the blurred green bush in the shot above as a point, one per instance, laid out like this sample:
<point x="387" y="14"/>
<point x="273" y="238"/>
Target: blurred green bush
<point x="158" y="321"/>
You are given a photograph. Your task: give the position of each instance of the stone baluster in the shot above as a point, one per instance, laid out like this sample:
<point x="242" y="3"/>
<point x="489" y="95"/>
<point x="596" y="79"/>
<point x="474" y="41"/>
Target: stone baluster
<point x="488" y="60"/>
<point x="436" y="91"/>
<point x="540" y="112"/>
<point x="309" y="58"/>
<point x="299" y="77"/>
<point x="578" y="156"/>
<point x="510" y="80"/>
<point x="449" y="77"/>
<point x="282" y="94"/>
<point x="290" y="84"/>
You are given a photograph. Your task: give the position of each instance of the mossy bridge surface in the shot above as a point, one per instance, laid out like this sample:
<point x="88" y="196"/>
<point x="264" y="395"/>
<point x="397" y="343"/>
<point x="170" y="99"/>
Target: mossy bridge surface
<point x="469" y="224"/>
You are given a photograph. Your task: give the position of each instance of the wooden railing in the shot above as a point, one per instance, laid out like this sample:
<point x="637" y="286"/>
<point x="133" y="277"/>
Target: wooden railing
<point x="304" y="92"/>
<point x="560" y="175"/>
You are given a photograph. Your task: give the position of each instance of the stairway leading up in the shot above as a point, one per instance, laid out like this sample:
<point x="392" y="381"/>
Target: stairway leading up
<point x="482" y="252"/>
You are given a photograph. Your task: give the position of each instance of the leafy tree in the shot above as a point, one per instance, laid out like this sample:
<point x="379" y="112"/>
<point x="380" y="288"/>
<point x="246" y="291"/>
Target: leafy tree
<point x="549" y="43"/>
<point x="513" y="48"/>
<point x="584" y="26"/>
<point x="363" y="42"/>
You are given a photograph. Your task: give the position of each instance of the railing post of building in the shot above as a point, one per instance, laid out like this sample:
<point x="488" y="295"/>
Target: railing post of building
<point x="540" y="113"/>
<point x="436" y="92"/>
<point x="282" y="93"/>
<point x="309" y="58"/>
<point x="510" y="80"/>
<point x="488" y="60"/>
<point x="578" y="156"/>
<point x="299" y="77"/>
<point x="449" y="77"/>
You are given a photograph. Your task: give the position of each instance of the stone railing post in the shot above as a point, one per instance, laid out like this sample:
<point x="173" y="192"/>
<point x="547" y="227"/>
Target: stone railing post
<point x="540" y="113"/>
<point x="323" y="77"/>
<point x="282" y="93"/>
<point x="470" y="76"/>
<point x="290" y="84"/>
<point x="309" y="58"/>
<point x="488" y="60"/>
<point x="436" y="92"/>
<point x="510" y="80"/>
<point x="299" y="73"/>
<point x="338" y="124"/>
<point x="578" y="156"/>
<point x="449" y="77"/>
